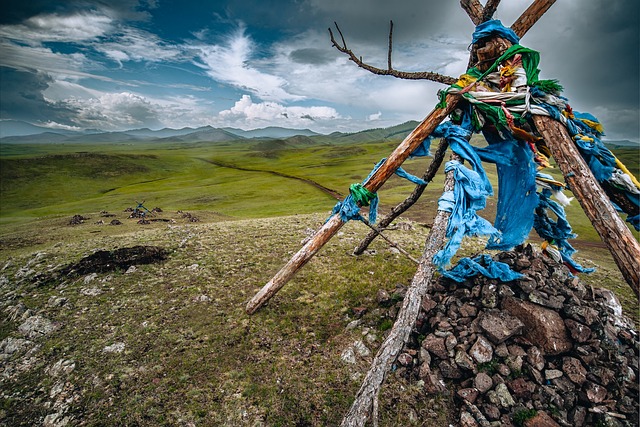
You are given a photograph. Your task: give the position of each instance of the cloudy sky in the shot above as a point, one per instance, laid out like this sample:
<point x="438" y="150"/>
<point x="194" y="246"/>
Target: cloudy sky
<point x="124" y="64"/>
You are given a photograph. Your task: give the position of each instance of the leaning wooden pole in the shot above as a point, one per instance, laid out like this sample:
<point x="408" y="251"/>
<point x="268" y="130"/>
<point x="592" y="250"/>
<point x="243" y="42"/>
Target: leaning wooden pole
<point x="405" y="322"/>
<point x="612" y="230"/>
<point x="401" y="207"/>
<point x="530" y="16"/>
<point x="328" y="230"/>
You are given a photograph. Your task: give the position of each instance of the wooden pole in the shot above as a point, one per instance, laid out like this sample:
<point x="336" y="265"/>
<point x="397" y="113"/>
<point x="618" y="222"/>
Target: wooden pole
<point x="384" y="172"/>
<point x="612" y="230"/>
<point x="531" y="16"/>
<point x="388" y="351"/>
<point x="474" y="9"/>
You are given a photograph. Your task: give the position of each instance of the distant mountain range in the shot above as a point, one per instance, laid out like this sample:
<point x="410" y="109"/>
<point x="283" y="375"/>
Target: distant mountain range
<point x="624" y="143"/>
<point x="19" y="131"/>
<point x="14" y="131"/>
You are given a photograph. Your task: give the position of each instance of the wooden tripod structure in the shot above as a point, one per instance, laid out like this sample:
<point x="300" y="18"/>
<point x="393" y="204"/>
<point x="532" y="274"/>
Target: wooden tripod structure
<point x="612" y="230"/>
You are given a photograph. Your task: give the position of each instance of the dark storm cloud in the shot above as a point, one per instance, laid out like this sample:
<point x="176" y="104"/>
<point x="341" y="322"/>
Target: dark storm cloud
<point x="602" y="45"/>
<point x="366" y="20"/>
<point x="312" y="56"/>
<point x="15" y="12"/>
<point x="592" y="48"/>
<point x="22" y="98"/>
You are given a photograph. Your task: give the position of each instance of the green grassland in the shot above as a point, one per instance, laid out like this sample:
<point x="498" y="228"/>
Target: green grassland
<point x="190" y="355"/>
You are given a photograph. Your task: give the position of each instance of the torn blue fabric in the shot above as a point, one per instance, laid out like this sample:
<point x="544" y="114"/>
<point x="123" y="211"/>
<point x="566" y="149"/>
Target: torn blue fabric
<point x="469" y="196"/>
<point x="457" y="137"/>
<point x="348" y="209"/>
<point x="482" y="264"/>
<point x="600" y="160"/>
<point x="424" y="149"/>
<point x="553" y="231"/>
<point x="406" y="175"/>
<point x="556" y="232"/>
<point x="517" y="198"/>
<point x="494" y="27"/>
<point x="373" y="210"/>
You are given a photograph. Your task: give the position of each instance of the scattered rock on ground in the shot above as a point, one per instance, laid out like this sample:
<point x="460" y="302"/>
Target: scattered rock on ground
<point x="36" y="327"/>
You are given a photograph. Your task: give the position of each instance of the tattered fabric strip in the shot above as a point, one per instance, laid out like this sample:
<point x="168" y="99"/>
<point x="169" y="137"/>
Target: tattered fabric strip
<point x="556" y="232"/>
<point x="468" y="196"/>
<point x="482" y="264"/>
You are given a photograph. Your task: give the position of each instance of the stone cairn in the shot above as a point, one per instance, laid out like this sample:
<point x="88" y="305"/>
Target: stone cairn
<point x="545" y="350"/>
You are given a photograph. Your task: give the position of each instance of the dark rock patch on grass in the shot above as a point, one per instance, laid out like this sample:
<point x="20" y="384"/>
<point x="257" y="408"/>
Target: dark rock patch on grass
<point x="107" y="261"/>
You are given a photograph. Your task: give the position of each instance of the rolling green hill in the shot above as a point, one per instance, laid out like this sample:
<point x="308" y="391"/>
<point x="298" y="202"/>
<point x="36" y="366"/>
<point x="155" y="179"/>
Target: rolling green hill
<point x="239" y="179"/>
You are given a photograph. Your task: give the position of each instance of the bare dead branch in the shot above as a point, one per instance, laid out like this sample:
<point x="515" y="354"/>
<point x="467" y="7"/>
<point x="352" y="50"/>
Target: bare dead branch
<point x="474" y="9"/>
<point x="407" y="75"/>
<point x="531" y="16"/>
<point x="489" y="9"/>
<point x="390" y="45"/>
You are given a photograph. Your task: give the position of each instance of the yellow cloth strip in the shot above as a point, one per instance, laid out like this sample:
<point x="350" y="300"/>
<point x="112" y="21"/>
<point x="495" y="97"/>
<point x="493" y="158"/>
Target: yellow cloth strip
<point x="550" y="181"/>
<point x="465" y="80"/>
<point x="624" y="169"/>
<point x="593" y="125"/>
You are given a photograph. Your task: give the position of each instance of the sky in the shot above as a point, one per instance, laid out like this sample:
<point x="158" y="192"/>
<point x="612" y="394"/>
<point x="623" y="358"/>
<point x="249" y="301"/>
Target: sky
<point x="127" y="64"/>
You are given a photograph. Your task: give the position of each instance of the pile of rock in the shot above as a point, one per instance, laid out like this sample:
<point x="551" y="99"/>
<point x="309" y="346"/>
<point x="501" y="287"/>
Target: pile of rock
<point x="77" y="219"/>
<point x="544" y="350"/>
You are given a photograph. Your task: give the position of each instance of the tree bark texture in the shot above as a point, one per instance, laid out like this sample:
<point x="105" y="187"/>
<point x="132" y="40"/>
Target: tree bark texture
<point x="373" y="184"/>
<point x="489" y="9"/>
<point x="474" y="9"/>
<point x="400" y="208"/>
<point x="404" y="324"/>
<point x="612" y="230"/>
<point x="530" y="16"/>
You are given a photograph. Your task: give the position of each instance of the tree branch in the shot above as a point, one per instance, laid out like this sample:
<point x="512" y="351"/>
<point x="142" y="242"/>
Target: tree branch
<point x="419" y="75"/>
<point x="390" y="45"/>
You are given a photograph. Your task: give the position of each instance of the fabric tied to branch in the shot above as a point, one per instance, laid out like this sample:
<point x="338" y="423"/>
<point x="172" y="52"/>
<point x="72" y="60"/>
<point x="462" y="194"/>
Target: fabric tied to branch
<point x="348" y="209"/>
<point x="457" y="136"/>
<point x="482" y="264"/>
<point x="468" y="196"/>
<point x="494" y="27"/>
<point x="360" y="196"/>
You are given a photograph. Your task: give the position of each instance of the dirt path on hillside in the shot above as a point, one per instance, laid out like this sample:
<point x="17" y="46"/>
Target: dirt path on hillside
<point x="333" y="193"/>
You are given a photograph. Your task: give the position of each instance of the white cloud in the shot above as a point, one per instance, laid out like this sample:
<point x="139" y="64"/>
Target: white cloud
<point x="247" y="114"/>
<point x="131" y="44"/>
<point x="375" y="116"/>
<point x="58" y="28"/>
<point x="113" y="111"/>
<point x="54" y="125"/>
<point x="41" y="59"/>
<point x="233" y="63"/>
<point x="115" y="40"/>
